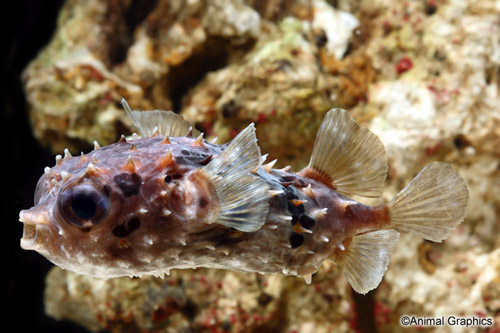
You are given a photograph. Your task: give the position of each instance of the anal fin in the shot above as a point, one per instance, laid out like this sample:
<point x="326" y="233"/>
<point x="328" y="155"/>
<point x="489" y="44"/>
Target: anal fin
<point x="347" y="157"/>
<point x="243" y="198"/>
<point x="366" y="258"/>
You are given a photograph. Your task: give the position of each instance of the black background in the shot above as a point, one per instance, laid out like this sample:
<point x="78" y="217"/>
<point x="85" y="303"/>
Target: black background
<point x="27" y="25"/>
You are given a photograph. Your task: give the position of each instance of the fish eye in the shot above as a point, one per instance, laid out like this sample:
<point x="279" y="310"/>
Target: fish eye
<point x="83" y="205"/>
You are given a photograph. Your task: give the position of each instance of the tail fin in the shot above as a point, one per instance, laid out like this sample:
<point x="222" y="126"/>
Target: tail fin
<point x="432" y="204"/>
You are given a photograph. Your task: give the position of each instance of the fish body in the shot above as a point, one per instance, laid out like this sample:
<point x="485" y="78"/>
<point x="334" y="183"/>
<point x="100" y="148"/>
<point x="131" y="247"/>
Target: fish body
<point x="168" y="200"/>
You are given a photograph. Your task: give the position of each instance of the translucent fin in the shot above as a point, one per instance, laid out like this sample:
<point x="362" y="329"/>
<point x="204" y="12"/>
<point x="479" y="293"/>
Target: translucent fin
<point x="243" y="198"/>
<point x="167" y="123"/>
<point x="432" y="204"/>
<point x="351" y="157"/>
<point x="366" y="260"/>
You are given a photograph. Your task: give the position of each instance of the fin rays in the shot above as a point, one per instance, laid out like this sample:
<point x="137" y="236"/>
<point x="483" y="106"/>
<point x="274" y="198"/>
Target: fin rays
<point x="432" y="204"/>
<point x="367" y="258"/>
<point x="167" y="123"/>
<point x="351" y="156"/>
<point x="243" y="198"/>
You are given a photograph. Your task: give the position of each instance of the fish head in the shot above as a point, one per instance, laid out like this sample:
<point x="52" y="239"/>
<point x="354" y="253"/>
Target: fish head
<point x="116" y="210"/>
<point x="70" y="218"/>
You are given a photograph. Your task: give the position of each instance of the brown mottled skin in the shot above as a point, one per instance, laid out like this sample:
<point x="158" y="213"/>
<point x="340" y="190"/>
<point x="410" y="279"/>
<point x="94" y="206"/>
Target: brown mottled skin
<point x="159" y="209"/>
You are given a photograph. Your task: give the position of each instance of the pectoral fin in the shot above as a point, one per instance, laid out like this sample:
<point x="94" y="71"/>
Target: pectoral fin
<point x="243" y="198"/>
<point x="348" y="157"/>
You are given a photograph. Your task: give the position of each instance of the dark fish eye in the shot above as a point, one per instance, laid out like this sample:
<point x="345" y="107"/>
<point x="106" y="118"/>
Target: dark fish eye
<point x="83" y="205"/>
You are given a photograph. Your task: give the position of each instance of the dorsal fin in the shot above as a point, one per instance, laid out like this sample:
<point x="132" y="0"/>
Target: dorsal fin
<point x="243" y="198"/>
<point x="167" y="123"/>
<point x="366" y="259"/>
<point x="348" y="157"/>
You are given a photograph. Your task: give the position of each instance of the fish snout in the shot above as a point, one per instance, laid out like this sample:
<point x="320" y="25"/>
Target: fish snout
<point x="34" y="221"/>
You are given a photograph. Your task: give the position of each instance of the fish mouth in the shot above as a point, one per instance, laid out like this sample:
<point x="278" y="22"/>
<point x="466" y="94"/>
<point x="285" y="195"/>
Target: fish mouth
<point x="29" y="233"/>
<point x="30" y="230"/>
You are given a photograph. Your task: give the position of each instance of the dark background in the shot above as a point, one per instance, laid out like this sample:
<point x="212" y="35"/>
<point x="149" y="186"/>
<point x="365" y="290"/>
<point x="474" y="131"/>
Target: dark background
<point x="27" y="25"/>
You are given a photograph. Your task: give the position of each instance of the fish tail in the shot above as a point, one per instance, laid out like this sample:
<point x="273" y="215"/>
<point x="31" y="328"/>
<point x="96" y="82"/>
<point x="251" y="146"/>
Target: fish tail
<point x="432" y="204"/>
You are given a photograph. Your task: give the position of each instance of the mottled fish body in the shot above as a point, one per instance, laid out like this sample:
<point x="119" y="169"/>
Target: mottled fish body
<point x="172" y="200"/>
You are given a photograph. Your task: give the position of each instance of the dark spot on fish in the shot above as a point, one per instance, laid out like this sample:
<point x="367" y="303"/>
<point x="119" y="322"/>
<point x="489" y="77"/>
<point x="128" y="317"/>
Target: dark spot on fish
<point x="193" y="157"/>
<point x="300" y="182"/>
<point x="290" y="193"/>
<point x="203" y="202"/>
<point x="292" y="179"/>
<point x="182" y="160"/>
<point x="123" y="230"/>
<point x="168" y="179"/>
<point x="301" y="208"/>
<point x="307" y="222"/>
<point x="296" y="240"/>
<point x="292" y="208"/>
<point x="288" y="178"/>
<point x="295" y="210"/>
<point x="120" y="231"/>
<point x="129" y="183"/>
<point x="295" y="219"/>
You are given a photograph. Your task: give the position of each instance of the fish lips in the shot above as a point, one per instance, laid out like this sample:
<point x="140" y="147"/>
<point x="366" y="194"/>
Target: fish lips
<point x="36" y="226"/>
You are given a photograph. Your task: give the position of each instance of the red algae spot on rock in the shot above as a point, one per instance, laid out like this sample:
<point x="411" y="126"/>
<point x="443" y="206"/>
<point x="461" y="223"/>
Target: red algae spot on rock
<point x="404" y="65"/>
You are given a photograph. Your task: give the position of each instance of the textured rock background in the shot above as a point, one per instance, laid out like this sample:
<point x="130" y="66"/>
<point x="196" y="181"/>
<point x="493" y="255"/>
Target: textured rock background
<point x="423" y="75"/>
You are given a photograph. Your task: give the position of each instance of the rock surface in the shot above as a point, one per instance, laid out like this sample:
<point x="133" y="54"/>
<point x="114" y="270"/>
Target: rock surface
<point x="422" y="75"/>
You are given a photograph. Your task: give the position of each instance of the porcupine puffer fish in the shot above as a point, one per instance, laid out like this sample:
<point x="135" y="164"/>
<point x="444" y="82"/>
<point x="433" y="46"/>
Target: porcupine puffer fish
<point x="172" y="200"/>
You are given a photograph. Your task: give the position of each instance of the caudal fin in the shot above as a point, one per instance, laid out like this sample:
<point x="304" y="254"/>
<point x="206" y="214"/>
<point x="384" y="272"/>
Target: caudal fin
<point x="432" y="204"/>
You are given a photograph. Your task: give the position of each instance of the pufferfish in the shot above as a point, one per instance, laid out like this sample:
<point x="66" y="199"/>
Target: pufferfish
<point x="172" y="200"/>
